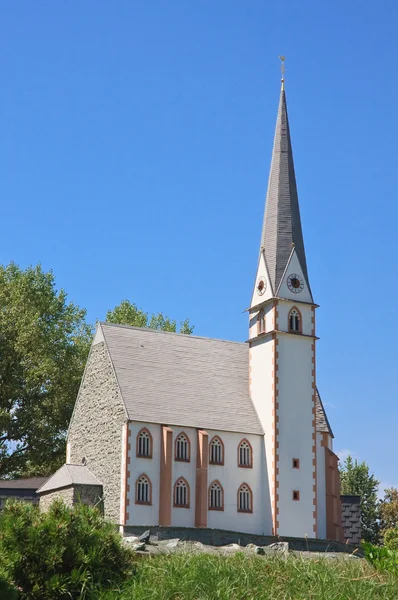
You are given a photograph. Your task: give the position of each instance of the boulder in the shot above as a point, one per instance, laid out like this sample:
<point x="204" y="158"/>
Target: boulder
<point x="144" y="537"/>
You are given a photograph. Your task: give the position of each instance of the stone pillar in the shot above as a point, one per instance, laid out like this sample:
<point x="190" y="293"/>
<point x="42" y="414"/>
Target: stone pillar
<point x="166" y="463"/>
<point x="202" y="466"/>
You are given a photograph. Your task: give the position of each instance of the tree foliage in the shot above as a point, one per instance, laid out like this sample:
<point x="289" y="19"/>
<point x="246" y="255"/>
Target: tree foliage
<point x="127" y="313"/>
<point x="62" y="553"/>
<point x="388" y="509"/>
<point x="357" y="480"/>
<point x="44" y="342"/>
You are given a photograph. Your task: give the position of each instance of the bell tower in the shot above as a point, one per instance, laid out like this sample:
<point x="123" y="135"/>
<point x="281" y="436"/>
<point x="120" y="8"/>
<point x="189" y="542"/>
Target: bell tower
<point x="282" y="347"/>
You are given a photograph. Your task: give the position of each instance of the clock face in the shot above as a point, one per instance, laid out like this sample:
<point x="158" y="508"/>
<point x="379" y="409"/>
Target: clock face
<point x="295" y="283"/>
<point x="261" y="286"/>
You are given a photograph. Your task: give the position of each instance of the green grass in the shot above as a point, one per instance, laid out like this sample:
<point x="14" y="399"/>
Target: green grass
<point x="203" y="577"/>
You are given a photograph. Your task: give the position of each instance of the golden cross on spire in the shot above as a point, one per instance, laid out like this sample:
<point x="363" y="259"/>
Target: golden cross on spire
<point x="283" y="58"/>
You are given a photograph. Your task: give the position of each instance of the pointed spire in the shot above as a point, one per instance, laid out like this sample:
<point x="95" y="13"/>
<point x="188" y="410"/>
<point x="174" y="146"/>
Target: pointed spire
<point x="282" y="224"/>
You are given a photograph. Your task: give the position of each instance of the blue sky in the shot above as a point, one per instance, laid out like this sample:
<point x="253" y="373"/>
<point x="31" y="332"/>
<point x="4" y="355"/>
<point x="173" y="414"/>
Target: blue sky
<point x="134" y="152"/>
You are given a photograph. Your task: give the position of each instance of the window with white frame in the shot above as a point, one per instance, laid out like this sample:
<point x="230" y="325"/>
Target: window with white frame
<point x="245" y="454"/>
<point x="144" y="444"/>
<point x="216" y="451"/>
<point x="294" y="321"/>
<point x="216" y="496"/>
<point x="181" y="493"/>
<point x="245" y="498"/>
<point x="143" y="490"/>
<point x="182" y="448"/>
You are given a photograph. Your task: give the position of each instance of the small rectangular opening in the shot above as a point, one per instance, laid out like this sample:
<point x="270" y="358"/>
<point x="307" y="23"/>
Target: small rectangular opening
<point x="296" y="495"/>
<point x="296" y="463"/>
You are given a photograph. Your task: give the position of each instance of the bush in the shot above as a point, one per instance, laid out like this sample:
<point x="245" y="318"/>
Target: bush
<point x="64" y="553"/>
<point x="390" y="537"/>
<point x="7" y="591"/>
<point x="382" y="558"/>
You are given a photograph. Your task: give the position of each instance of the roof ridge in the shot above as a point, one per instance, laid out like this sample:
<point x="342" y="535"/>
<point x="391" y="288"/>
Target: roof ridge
<point x="173" y="333"/>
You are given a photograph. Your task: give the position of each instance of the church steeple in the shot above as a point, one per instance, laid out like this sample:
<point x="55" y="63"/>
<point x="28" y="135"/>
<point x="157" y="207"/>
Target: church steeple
<point x="282" y="224"/>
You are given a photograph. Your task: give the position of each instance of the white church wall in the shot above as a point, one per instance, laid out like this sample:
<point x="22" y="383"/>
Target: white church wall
<point x="306" y="311"/>
<point x="269" y="320"/>
<point x="321" y="487"/>
<point x="263" y="275"/>
<point x="231" y="477"/>
<point x="184" y="517"/>
<point x="141" y="514"/>
<point x="261" y="376"/>
<point x="295" y="435"/>
<point x="284" y="292"/>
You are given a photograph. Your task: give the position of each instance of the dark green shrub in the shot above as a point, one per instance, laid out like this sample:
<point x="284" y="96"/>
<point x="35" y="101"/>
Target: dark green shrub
<point x="64" y="553"/>
<point x="390" y="537"/>
<point x="382" y="558"/>
<point x="7" y="591"/>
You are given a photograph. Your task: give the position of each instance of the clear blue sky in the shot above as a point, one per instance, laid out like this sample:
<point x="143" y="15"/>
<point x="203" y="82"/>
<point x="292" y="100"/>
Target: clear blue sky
<point x="135" y="144"/>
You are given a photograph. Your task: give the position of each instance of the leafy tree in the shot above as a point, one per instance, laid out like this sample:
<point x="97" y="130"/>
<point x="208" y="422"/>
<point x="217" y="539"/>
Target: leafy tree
<point x="356" y="480"/>
<point x="389" y="510"/>
<point x="127" y="313"/>
<point x="44" y="342"/>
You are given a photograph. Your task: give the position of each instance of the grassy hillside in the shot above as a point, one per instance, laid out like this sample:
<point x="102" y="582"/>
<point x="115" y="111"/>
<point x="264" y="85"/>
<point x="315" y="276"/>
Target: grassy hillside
<point x="239" y="577"/>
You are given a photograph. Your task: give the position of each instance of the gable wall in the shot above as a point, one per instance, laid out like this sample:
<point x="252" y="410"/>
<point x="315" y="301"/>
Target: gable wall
<point x="95" y="430"/>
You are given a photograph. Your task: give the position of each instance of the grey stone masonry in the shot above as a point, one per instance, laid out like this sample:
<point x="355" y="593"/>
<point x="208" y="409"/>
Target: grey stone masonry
<point x="351" y="512"/>
<point x="86" y="494"/>
<point x="95" y="431"/>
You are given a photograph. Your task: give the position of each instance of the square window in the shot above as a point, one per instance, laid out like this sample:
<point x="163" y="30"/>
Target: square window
<point x="296" y="495"/>
<point x="296" y="463"/>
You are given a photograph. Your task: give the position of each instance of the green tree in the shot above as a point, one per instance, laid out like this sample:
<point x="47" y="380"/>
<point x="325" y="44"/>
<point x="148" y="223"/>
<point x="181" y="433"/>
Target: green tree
<point x="389" y="510"/>
<point x="127" y="313"/>
<point x="357" y="480"/>
<point x="44" y="343"/>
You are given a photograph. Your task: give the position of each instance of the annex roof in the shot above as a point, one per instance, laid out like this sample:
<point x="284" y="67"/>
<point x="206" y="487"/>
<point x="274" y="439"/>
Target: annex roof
<point x="182" y="380"/>
<point x="322" y="422"/>
<point x="28" y="483"/>
<point x="69" y="475"/>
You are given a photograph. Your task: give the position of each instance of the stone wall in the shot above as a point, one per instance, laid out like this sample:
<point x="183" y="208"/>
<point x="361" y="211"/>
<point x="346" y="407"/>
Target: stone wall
<point x="47" y="498"/>
<point x="351" y="511"/>
<point x="95" y="432"/>
<point x="220" y="537"/>
<point x="88" y="494"/>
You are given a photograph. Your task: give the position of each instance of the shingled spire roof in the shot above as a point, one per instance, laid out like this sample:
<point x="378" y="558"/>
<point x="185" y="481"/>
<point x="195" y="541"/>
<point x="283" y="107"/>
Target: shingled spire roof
<point x="282" y="224"/>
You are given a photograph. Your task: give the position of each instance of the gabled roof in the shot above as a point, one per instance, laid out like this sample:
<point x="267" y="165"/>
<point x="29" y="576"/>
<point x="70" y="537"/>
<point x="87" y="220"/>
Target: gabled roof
<point x="182" y="380"/>
<point x="69" y="475"/>
<point x="23" y="483"/>
<point x="322" y="422"/>
<point x="282" y="223"/>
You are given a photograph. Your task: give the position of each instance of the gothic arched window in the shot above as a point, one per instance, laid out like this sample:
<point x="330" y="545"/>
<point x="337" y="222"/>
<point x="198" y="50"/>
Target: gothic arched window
<point x="216" y="496"/>
<point x="182" y="448"/>
<point x="216" y="451"/>
<point x="261" y="322"/>
<point x="245" y="454"/>
<point x="181" y="493"/>
<point x="295" y="320"/>
<point x="245" y="499"/>
<point x="144" y="443"/>
<point x="143" y="490"/>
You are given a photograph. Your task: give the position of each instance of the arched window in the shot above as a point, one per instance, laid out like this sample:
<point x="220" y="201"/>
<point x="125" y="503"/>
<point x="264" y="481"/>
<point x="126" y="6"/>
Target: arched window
<point x="143" y="490"/>
<point x="182" y="449"/>
<point x="245" y="455"/>
<point x="245" y="499"/>
<point x="181" y="493"/>
<point x="216" y="496"/>
<point x="216" y="451"/>
<point x="295" y="324"/>
<point x="261" y="322"/>
<point x="144" y="443"/>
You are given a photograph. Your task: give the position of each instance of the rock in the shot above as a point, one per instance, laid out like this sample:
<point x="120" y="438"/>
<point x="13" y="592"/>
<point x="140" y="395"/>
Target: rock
<point x="173" y="543"/>
<point x="231" y="548"/>
<point x="279" y="547"/>
<point x="140" y="547"/>
<point x="259" y="550"/>
<point x="131" y="539"/>
<point x="144" y="537"/>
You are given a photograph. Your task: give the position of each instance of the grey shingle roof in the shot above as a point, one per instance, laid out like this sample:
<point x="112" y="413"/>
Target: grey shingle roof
<point x="282" y="223"/>
<point x="182" y="380"/>
<point x="69" y="475"/>
<point x="29" y="483"/>
<point x="322" y="422"/>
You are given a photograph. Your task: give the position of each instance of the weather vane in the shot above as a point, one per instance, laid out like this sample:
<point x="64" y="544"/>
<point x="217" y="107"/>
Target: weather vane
<point x="283" y="58"/>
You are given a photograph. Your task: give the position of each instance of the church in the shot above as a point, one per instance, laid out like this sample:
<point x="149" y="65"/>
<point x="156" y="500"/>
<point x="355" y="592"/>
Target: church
<point x="187" y="431"/>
